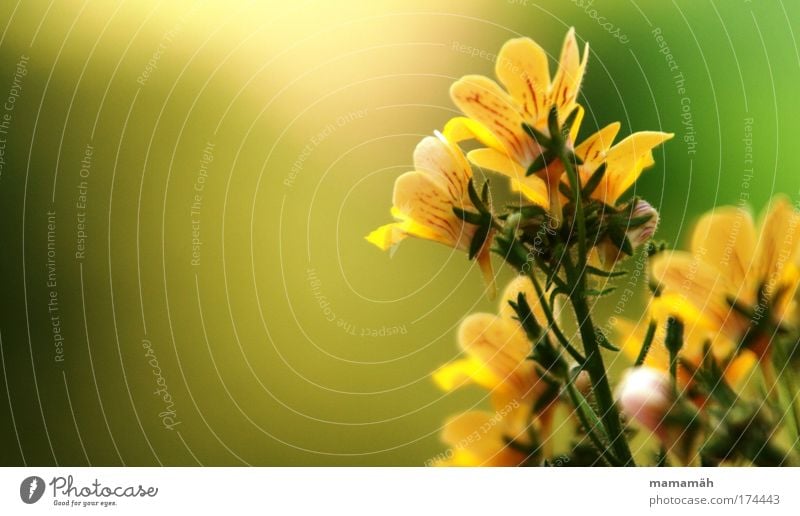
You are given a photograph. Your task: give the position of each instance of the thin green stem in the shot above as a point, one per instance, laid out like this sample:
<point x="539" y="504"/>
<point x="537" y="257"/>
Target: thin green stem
<point x="597" y="374"/>
<point x="585" y="415"/>
<point x="594" y="360"/>
<point x="673" y="371"/>
<point x="551" y="320"/>
<point x="648" y="341"/>
<point x="580" y="219"/>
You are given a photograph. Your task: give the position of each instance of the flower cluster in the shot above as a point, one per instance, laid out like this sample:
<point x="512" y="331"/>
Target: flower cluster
<point x="715" y="311"/>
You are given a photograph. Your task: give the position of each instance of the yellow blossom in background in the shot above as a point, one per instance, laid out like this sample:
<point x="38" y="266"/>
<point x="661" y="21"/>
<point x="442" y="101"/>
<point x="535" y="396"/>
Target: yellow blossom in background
<point x="497" y="350"/>
<point x="497" y="359"/>
<point x="631" y="335"/>
<point x="522" y="68"/>
<point x="479" y="438"/>
<point x="424" y="199"/>
<point x="738" y="281"/>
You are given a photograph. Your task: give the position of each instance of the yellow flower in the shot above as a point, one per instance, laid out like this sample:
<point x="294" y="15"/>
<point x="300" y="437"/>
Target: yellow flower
<point x="424" y="199"/>
<point x="528" y="96"/>
<point x="695" y="336"/>
<point x="478" y="438"/>
<point x="737" y="281"/>
<point x="497" y="351"/>
<point x="624" y="161"/>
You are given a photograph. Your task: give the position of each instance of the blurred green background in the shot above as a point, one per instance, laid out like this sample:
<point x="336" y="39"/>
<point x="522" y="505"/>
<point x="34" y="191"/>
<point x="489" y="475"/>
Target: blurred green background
<point x="204" y="173"/>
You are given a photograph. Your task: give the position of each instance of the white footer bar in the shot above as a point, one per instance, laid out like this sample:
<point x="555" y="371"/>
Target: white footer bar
<point x="401" y="491"/>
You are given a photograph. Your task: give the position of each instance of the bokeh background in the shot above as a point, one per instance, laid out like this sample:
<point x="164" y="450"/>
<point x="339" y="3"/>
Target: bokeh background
<point x="189" y="184"/>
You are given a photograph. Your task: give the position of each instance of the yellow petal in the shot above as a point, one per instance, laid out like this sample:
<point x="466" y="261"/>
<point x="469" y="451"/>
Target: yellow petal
<point x="532" y="187"/>
<point x="669" y="304"/>
<point x="462" y="371"/>
<point x="516" y="415"/>
<point x="476" y="438"/>
<point x="725" y="239"/>
<point x="778" y="246"/>
<point x="418" y="198"/>
<point x="522" y="68"/>
<point x="502" y="346"/>
<point x="520" y="285"/>
<point x="462" y="128"/>
<point x="740" y="368"/>
<point x="576" y="125"/>
<point x="445" y="165"/>
<point x="593" y="149"/>
<point x="568" y="78"/>
<point x="483" y="100"/>
<point x="626" y="160"/>
<point x="631" y="336"/>
<point x="497" y="161"/>
<point x="700" y="285"/>
<point x="386" y="236"/>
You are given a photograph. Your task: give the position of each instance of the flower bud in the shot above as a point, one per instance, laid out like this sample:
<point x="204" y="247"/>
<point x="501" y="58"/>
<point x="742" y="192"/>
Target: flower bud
<point x="646" y="395"/>
<point x="638" y="229"/>
<point x="641" y="234"/>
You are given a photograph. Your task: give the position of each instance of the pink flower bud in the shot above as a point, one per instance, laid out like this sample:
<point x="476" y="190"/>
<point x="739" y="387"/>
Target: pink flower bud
<point x="641" y="234"/>
<point x="645" y="395"/>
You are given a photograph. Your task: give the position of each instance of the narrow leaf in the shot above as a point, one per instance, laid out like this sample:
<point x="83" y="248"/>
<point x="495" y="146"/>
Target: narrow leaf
<point x="479" y="239"/>
<point x="620" y="239"/>
<point x="469" y="216"/>
<point x="594" y="181"/>
<point x="539" y="137"/>
<point x="648" y="341"/>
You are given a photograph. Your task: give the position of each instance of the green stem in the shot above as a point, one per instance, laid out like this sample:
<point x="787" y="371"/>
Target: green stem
<point x="597" y="374"/>
<point x="585" y="413"/>
<point x="551" y="320"/>
<point x="648" y="341"/>
<point x="594" y="360"/>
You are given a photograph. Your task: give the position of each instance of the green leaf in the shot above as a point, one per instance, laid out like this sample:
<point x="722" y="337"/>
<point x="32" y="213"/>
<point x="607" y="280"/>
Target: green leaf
<point x="599" y="293"/>
<point x="479" y="239"/>
<point x="569" y="122"/>
<point x="620" y="239"/>
<point x="591" y="423"/>
<point x="469" y="216"/>
<point x="485" y="193"/>
<point x="556" y="291"/>
<point x="552" y="122"/>
<point x="631" y="222"/>
<point x="594" y="181"/>
<point x="540" y="138"/>
<point x="603" y="342"/>
<point x="648" y="341"/>
<point x="475" y="198"/>
<point x="604" y="274"/>
<point x="525" y="317"/>
<point x="532" y="211"/>
<point x="574" y="158"/>
<point x="540" y="163"/>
